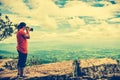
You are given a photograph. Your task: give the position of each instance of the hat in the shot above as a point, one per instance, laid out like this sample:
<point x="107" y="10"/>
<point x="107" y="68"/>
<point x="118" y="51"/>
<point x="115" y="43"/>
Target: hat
<point x="21" y="25"/>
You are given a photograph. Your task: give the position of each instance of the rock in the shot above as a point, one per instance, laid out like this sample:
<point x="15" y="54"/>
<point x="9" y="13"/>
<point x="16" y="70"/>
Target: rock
<point x="105" y="69"/>
<point x="10" y="64"/>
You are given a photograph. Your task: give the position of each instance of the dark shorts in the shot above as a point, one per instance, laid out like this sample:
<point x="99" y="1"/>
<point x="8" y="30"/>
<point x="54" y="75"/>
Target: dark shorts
<point x="21" y="59"/>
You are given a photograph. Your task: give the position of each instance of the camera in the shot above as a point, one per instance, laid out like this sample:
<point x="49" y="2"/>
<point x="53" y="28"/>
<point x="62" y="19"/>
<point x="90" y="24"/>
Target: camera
<point x="31" y="29"/>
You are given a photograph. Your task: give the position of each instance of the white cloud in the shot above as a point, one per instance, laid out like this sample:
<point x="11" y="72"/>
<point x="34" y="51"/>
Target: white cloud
<point x="16" y="6"/>
<point x="46" y="14"/>
<point x="43" y="9"/>
<point x="39" y="14"/>
<point x="77" y="8"/>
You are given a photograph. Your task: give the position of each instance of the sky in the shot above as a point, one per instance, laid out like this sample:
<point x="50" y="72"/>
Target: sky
<point x="66" y="21"/>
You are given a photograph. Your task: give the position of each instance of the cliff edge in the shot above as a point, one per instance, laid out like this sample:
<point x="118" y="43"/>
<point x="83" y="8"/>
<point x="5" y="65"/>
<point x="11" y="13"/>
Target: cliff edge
<point x="105" y="68"/>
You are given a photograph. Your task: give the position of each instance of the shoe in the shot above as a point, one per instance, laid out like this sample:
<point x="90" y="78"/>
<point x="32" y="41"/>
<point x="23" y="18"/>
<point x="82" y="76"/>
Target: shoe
<point x="21" y="78"/>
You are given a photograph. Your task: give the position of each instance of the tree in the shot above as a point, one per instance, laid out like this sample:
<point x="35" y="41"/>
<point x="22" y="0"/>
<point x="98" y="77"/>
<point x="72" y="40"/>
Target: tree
<point x="7" y="28"/>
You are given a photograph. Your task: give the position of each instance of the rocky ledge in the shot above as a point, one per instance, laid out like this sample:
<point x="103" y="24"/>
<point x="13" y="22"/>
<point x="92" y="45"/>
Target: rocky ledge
<point x="92" y="69"/>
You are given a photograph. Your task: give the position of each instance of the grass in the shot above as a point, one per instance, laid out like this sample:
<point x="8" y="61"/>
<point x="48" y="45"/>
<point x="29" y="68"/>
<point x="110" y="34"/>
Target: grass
<point x="50" y="56"/>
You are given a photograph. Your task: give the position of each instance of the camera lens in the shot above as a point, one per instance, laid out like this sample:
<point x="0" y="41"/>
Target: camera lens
<point x="31" y="29"/>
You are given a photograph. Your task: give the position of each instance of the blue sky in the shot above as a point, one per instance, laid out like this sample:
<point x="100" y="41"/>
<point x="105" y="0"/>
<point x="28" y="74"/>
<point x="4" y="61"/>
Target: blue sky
<point x="68" y="21"/>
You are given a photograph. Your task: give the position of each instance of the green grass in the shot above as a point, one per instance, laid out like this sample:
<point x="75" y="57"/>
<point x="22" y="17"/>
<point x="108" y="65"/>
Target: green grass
<point x="48" y="53"/>
<point x="50" y="56"/>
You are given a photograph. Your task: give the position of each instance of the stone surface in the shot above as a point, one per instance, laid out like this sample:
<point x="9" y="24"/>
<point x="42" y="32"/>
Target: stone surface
<point x="88" y="69"/>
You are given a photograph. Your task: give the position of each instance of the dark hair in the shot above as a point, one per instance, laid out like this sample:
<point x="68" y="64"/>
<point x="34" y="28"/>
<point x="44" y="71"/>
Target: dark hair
<point x="21" y="25"/>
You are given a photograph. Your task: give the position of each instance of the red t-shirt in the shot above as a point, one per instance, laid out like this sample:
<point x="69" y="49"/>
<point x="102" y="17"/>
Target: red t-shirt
<point x="22" y="44"/>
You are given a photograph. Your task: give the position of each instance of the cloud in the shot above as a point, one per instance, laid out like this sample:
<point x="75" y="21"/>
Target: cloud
<point x="40" y="11"/>
<point x="64" y="24"/>
<point x="16" y="6"/>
